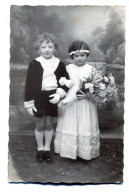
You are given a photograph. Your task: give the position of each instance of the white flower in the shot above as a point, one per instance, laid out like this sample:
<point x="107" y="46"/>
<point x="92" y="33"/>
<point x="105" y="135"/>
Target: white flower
<point x="98" y="78"/>
<point x="91" y="90"/>
<point x="102" y="93"/>
<point x="62" y="81"/>
<point x="105" y="79"/>
<point x="102" y="86"/>
<point x="112" y="80"/>
<point x="89" y="85"/>
<point x="66" y="82"/>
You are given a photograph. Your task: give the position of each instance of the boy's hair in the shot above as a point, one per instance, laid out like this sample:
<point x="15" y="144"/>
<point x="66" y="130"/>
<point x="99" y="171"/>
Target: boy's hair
<point x="47" y="37"/>
<point x="78" y="46"/>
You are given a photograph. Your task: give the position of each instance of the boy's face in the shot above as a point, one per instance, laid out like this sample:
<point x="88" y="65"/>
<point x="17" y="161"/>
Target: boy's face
<point x="46" y="49"/>
<point x="79" y="58"/>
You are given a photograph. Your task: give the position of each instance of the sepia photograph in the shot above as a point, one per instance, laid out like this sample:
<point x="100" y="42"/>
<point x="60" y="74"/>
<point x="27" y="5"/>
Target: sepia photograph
<point x="66" y="101"/>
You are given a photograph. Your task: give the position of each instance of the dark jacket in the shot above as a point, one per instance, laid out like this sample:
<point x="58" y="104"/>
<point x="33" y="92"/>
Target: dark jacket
<point x="33" y="85"/>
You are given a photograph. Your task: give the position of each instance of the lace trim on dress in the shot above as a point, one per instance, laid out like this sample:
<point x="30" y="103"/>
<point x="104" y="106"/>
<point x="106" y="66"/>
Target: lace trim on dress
<point x="67" y="133"/>
<point x="83" y="150"/>
<point x="89" y="152"/>
<point x="72" y="133"/>
<point x="87" y="148"/>
<point x="65" y="146"/>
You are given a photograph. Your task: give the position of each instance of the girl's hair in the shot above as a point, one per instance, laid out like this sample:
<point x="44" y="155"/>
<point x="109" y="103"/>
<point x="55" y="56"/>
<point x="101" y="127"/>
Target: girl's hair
<point x="48" y="37"/>
<point x="78" y="46"/>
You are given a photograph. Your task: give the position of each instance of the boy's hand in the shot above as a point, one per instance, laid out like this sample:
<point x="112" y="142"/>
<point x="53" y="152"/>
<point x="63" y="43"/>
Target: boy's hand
<point x="56" y="98"/>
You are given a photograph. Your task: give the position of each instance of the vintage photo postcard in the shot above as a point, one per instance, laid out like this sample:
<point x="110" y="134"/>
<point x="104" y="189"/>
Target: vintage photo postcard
<point x="66" y="94"/>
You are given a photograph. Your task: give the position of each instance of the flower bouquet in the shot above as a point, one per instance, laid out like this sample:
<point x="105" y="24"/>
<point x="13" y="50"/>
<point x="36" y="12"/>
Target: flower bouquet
<point x="99" y="89"/>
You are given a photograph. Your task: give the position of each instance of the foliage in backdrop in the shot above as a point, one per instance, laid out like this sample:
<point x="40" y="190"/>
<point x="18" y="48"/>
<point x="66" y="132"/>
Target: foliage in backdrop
<point x="70" y="23"/>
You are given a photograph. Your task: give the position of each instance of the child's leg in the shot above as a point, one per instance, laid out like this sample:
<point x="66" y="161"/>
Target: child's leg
<point x="48" y="132"/>
<point x="39" y="132"/>
<point x="48" y="137"/>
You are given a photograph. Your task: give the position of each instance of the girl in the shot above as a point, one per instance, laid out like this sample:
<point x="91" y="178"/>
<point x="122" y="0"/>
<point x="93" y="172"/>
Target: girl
<point x="43" y="91"/>
<point x="77" y="132"/>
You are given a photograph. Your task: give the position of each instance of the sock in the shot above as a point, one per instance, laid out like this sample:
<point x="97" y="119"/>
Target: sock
<point x="39" y="140"/>
<point x="48" y="139"/>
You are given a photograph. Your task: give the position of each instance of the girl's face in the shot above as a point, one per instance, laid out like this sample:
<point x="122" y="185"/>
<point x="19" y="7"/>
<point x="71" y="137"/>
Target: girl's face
<point x="79" y="58"/>
<point x="47" y="49"/>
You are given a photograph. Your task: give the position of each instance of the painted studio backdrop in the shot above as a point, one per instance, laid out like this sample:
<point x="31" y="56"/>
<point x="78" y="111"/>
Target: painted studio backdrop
<point x="102" y="27"/>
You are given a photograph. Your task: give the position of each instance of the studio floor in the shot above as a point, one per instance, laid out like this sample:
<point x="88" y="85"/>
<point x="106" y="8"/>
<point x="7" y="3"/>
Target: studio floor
<point x="23" y="166"/>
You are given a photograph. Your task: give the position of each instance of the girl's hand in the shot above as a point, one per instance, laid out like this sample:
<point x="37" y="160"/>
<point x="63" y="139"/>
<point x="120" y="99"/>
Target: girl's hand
<point x="82" y="95"/>
<point x="30" y="110"/>
<point x="56" y="98"/>
<point x="60" y="104"/>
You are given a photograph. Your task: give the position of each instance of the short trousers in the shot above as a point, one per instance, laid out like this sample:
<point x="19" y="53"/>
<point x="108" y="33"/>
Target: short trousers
<point x="44" y="107"/>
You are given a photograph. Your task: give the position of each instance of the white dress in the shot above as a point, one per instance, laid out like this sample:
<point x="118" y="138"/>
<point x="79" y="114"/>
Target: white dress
<point x="77" y="132"/>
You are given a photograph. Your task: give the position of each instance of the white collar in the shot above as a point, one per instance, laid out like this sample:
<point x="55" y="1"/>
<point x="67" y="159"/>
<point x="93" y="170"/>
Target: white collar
<point x="49" y="65"/>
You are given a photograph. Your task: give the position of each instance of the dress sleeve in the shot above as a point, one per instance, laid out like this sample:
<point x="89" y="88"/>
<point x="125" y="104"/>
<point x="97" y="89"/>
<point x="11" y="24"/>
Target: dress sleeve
<point x="29" y="97"/>
<point x="94" y="72"/>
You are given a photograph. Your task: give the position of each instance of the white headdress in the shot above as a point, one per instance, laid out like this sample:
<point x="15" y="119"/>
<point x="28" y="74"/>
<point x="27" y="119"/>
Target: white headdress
<point x="82" y="50"/>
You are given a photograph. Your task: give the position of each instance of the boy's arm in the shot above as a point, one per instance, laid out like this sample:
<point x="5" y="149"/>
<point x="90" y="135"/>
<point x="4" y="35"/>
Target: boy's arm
<point x="29" y="99"/>
<point x="64" y="82"/>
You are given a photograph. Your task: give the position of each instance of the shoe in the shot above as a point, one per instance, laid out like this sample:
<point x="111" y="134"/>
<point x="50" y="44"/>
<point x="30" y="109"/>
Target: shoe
<point x="40" y="156"/>
<point x="48" y="157"/>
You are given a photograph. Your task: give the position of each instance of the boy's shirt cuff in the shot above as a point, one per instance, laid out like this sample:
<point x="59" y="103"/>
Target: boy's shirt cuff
<point x="29" y="104"/>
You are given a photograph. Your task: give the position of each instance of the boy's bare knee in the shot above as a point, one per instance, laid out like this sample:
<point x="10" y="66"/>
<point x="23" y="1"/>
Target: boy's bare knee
<point x="40" y="124"/>
<point x="49" y="124"/>
<point x="49" y="127"/>
<point x="40" y="128"/>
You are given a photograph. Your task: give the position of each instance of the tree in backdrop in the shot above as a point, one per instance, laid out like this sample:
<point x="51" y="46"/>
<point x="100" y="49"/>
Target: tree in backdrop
<point x="18" y="37"/>
<point x="111" y="40"/>
<point x="27" y="22"/>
